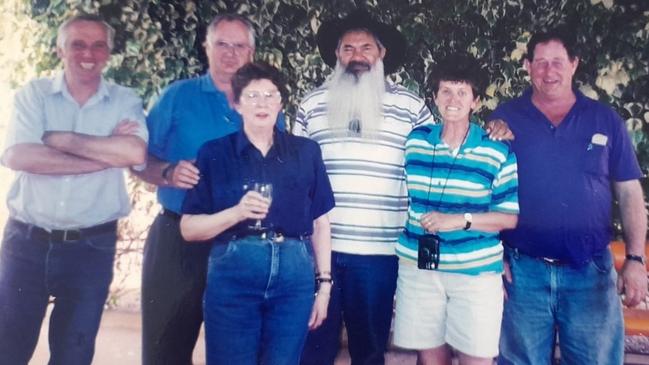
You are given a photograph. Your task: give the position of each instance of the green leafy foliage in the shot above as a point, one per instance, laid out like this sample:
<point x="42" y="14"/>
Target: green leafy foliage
<point x="159" y="41"/>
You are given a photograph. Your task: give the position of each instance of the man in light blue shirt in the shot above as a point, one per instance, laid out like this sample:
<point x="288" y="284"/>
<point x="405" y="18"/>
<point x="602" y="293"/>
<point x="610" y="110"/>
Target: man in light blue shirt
<point x="189" y="113"/>
<point x="70" y="138"/>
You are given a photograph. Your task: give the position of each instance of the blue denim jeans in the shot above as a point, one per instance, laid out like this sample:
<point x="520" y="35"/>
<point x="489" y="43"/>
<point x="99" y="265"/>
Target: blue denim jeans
<point x="580" y="305"/>
<point x="76" y="274"/>
<point x="258" y="301"/>
<point x="362" y="297"/>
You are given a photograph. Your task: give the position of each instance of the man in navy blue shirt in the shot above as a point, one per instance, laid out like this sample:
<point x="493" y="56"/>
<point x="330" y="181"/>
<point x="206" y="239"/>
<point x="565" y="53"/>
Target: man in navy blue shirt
<point x="572" y="153"/>
<point x="188" y="113"/>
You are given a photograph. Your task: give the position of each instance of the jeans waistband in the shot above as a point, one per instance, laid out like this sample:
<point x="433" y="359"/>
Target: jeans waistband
<point x="270" y="235"/>
<point x="548" y="260"/>
<point x="65" y="235"/>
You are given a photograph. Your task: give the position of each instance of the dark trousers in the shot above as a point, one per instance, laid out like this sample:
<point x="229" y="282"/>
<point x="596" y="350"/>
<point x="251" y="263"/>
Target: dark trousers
<point x="76" y="274"/>
<point x="173" y="281"/>
<point x="362" y="297"/>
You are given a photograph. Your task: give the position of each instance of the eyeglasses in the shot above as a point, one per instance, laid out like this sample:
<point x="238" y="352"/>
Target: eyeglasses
<point x="255" y="97"/>
<point x="237" y="48"/>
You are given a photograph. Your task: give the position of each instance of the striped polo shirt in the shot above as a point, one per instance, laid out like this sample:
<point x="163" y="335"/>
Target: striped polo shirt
<point x="366" y="174"/>
<point x="479" y="177"/>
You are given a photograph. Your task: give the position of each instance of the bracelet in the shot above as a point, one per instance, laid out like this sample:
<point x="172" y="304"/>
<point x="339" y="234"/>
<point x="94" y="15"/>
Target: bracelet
<point x="319" y="281"/>
<point x="637" y="258"/>
<point x="166" y="170"/>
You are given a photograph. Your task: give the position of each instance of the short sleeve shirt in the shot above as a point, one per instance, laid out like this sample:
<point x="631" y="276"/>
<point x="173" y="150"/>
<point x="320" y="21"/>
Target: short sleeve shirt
<point x="565" y="175"/>
<point x="479" y="177"/>
<point x="301" y="189"/>
<point x="367" y="174"/>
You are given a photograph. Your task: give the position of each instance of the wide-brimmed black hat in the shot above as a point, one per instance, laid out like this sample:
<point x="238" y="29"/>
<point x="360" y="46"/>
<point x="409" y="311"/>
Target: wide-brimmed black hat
<point x="331" y="31"/>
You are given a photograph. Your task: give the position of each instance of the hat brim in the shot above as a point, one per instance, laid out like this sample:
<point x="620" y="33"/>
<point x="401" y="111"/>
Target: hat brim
<point x="330" y="32"/>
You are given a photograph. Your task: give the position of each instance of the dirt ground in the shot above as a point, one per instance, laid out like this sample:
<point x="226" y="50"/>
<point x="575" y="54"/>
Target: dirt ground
<point x="118" y="342"/>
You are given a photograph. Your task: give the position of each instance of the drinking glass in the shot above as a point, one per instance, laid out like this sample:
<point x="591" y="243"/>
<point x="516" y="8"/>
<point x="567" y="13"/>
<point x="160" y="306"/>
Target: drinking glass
<point x="266" y="190"/>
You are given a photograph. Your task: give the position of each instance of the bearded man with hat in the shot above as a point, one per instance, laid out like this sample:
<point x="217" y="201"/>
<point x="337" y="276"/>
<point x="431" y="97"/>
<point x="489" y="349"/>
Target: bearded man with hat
<point x="362" y="140"/>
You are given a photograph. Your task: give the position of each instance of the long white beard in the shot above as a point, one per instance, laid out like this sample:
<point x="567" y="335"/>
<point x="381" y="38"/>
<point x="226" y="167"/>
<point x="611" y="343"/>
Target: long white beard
<point x="356" y="103"/>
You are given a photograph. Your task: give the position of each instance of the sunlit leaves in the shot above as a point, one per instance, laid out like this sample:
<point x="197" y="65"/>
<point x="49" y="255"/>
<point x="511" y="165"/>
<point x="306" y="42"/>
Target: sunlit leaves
<point x="606" y="3"/>
<point x="159" y="41"/>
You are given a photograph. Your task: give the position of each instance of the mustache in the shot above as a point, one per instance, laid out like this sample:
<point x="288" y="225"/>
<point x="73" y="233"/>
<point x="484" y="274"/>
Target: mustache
<point x="355" y="67"/>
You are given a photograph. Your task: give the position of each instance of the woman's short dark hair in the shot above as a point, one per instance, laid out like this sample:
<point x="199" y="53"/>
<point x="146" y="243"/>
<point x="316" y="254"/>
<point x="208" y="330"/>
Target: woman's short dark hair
<point x="459" y="67"/>
<point x="258" y="71"/>
<point x="561" y="35"/>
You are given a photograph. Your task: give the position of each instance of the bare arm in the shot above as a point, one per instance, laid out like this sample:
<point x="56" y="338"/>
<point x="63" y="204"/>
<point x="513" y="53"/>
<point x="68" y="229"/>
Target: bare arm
<point x="202" y="227"/>
<point x="40" y="159"/>
<point x="182" y="175"/>
<point x="322" y="243"/>
<point x="322" y="251"/>
<point x="117" y="150"/>
<point x="488" y="222"/>
<point x="634" y="215"/>
<point x="633" y="278"/>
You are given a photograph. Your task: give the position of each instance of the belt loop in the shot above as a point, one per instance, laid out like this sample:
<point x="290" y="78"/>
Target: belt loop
<point x="30" y="229"/>
<point x="516" y="253"/>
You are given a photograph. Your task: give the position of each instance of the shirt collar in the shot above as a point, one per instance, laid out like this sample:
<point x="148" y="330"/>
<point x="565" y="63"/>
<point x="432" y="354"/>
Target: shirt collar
<point x="581" y="98"/>
<point x="527" y="94"/>
<point x="281" y="147"/>
<point x="60" y="86"/>
<point x="474" y="136"/>
<point x="57" y="84"/>
<point x="207" y="84"/>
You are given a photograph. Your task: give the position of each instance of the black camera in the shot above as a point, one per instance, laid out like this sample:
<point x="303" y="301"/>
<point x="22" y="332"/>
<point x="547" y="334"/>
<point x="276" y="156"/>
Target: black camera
<point x="428" y="253"/>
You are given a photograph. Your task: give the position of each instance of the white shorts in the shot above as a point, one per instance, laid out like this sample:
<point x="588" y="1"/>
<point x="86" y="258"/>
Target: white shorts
<point x="434" y="308"/>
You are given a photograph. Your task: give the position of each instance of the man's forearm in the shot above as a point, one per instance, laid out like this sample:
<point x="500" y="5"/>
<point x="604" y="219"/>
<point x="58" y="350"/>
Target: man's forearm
<point x="114" y="150"/>
<point x="634" y="215"/>
<point x="40" y="159"/>
<point x="153" y="171"/>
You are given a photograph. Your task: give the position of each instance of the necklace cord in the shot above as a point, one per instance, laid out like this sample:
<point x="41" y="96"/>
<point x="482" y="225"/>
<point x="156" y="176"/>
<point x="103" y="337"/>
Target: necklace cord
<point x="448" y="173"/>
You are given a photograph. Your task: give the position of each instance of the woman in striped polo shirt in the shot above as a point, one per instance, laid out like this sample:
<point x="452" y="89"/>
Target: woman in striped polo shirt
<point x="462" y="189"/>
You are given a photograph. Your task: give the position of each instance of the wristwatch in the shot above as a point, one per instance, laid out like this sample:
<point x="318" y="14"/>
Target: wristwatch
<point x="638" y="258"/>
<point x="468" y="218"/>
<point x="165" y="172"/>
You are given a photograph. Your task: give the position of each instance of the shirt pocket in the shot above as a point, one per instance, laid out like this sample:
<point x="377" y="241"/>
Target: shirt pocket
<point x="595" y="160"/>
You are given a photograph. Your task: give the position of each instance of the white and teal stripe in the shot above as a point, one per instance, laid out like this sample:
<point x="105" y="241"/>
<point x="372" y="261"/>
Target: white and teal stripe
<point x="481" y="177"/>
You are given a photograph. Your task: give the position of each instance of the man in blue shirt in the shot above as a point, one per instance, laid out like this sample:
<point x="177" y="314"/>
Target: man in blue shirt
<point x="188" y="113"/>
<point x="572" y="153"/>
<point x="69" y="139"/>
